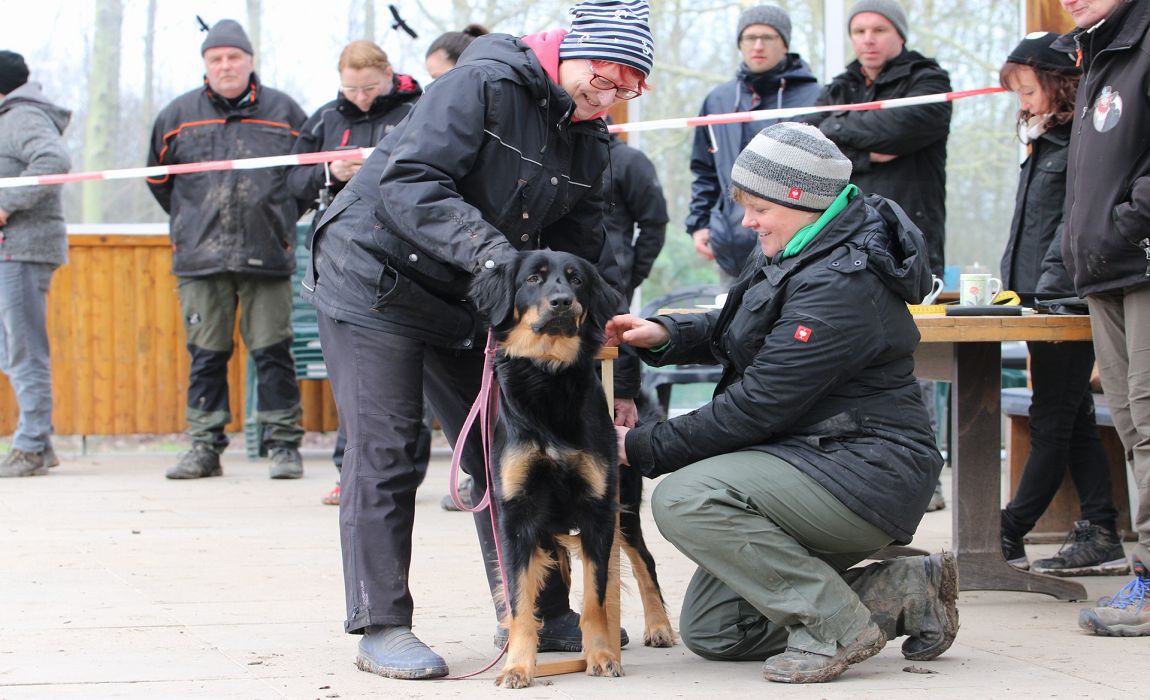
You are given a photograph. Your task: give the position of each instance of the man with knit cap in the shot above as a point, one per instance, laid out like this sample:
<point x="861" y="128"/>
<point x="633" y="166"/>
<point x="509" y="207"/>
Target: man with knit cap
<point x="233" y="246"/>
<point x="32" y="245"/>
<point x="815" y="451"/>
<point x="768" y="77"/>
<point x="518" y="166"/>
<point x="898" y="153"/>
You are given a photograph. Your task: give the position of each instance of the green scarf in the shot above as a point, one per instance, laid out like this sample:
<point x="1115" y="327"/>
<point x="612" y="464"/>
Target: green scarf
<point x="807" y="233"/>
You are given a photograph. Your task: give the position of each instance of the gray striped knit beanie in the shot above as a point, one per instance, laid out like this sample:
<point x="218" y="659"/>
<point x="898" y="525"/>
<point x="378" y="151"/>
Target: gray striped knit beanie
<point x="793" y="165"/>
<point x="611" y="30"/>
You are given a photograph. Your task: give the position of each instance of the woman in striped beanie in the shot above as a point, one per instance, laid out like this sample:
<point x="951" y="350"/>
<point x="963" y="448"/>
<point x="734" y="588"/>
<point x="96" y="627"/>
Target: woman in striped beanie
<point x="816" y="450"/>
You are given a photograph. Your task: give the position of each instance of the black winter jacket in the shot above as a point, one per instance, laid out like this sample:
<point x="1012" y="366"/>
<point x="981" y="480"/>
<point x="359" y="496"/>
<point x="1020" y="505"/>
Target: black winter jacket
<point x="1106" y="243"/>
<point x="818" y="359"/>
<point x="487" y="162"/>
<point x="636" y="199"/>
<point x="228" y="220"/>
<point x="1037" y="216"/>
<point x="916" y="179"/>
<point x="341" y="123"/>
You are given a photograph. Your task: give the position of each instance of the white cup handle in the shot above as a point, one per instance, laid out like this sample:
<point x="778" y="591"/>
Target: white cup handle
<point x="935" y="289"/>
<point x="995" y="287"/>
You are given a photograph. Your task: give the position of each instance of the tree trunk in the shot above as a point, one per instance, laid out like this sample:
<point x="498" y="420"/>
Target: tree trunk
<point x="254" y="11"/>
<point x="103" y="104"/>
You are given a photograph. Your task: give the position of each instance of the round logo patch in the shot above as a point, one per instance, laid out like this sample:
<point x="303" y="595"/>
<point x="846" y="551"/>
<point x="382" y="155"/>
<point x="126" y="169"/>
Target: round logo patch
<point x="1107" y="110"/>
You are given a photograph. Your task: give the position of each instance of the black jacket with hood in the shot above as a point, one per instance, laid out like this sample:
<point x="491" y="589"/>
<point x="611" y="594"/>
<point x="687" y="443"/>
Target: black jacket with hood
<point x="636" y="199"/>
<point x="339" y="124"/>
<point x="818" y="359"/>
<point x="488" y="162"/>
<point x="916" y="179"/>
<point x="1106" y="242"/>
<point x="228" y="220"/>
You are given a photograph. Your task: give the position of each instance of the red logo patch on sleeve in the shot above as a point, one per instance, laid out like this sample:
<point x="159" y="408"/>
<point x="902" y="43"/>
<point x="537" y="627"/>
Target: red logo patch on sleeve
<point x="795" y="193"/>
<point x="802" y="334"/>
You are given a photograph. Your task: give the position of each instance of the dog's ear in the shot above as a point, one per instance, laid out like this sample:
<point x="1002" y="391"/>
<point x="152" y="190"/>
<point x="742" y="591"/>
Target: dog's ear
<point x="493" y="290"/>
<point x="605" y="301"/>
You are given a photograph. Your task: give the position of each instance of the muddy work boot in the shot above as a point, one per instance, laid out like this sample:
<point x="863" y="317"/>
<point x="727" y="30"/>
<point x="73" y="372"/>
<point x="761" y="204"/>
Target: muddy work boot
<point x="914" y="596"/>
<point x="392" y="651"/>
<point x="1089" y="550"/>
<point x="286" y="461"/>
<point x="1126" y="614"/>
<point x="196" y="463"/>
<point x="20" y="463"/>
<point x="800" y="666"/>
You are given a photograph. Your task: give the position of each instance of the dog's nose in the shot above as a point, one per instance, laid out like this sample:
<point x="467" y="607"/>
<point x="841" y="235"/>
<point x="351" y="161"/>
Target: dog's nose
<point x="559" y="302"/>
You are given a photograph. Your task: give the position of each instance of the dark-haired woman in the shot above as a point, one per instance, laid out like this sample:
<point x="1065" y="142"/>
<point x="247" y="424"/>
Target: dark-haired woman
<point x="1062" y="429"/>
<point x="444" y="52"/>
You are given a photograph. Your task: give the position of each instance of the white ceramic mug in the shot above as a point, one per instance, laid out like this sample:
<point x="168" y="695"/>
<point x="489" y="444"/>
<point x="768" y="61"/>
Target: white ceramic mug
<point x="935" y="290"/>
<point x="977" y="289"/>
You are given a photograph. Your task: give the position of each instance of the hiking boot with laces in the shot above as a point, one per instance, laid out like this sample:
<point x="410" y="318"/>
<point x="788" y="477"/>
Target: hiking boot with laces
<point x="286" y="461"/>
<point x="937" y="499"/>
<point x="196" y="463"/>
<point x="1014" y="552"/>
<point x="800" y="666"/>
<point x="21" y="463"/>
<point x="1089" y="550"/>
<point x="1127" y="614"/>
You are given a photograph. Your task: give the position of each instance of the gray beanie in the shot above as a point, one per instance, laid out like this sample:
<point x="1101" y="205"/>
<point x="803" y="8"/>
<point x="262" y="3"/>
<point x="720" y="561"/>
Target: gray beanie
<point x="887" y="8"/>
<point x="227" y="32"/>
<point x="769" y="15"/>
<point x="793" y="165"/>
<point x="616" y="31"/>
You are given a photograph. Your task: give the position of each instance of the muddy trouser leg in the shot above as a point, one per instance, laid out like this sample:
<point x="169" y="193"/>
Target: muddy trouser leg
<point x="771" y="544"/>
<point x="452" y="381"/>
<point x="265" y="324"/>
<point x="208" y="305"/>
<point x="377" y="381"/>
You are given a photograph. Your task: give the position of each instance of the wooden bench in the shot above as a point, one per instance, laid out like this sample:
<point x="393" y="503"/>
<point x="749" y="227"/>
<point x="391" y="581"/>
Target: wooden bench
<point x="1063" y="511"/>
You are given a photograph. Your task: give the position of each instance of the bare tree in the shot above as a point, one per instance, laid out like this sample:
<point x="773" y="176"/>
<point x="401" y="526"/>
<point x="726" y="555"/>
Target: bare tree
<point x="101" y="126"/>
<point x="255" y="12"/>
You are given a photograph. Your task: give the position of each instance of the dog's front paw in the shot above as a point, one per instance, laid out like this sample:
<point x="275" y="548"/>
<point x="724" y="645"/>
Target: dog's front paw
<point x="516" y="676"/>
<point x="603" y="663"/>
<point x="659" y="636"/>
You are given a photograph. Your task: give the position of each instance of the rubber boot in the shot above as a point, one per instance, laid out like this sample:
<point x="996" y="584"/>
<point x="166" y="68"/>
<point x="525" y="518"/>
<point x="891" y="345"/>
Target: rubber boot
<point x="915" y="596"/>
<point x="393" y="651"/>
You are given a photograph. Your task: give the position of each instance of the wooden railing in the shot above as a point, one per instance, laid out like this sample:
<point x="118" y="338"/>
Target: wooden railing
<point x="119" y="365"/>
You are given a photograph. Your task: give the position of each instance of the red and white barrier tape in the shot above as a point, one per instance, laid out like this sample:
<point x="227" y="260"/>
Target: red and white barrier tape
<point x="347" y="154"/>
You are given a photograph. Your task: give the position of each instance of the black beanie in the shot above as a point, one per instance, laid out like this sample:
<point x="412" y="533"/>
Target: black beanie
<point x="13" y="71"/>
<point x="227" y="32"/>
<point x="1034" y="50"/>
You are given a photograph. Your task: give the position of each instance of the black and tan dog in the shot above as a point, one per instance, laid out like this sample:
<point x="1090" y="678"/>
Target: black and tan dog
<point x="555" y="450"/>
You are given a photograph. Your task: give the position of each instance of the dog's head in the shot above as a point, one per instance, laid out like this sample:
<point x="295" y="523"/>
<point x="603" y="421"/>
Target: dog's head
<point x="545" y="305"/>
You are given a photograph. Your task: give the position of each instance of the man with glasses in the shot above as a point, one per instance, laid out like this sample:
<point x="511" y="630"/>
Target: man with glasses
<point x="768" y="77"/>
<point x="233" y="245"/>
<point x="505" y="152"/>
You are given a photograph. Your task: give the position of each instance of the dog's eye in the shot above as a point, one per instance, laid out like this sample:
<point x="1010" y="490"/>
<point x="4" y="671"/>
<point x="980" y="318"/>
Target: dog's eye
<point x="534" y="279"/>
<point x="576" y="280"/>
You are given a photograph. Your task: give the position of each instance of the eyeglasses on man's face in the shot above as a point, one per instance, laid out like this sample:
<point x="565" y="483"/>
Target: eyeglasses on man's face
<point x="752" y="39"/>
<point x="600" y="83"/>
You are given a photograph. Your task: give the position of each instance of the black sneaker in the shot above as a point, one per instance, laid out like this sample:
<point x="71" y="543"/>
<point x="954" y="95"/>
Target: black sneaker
<point x="559" y="634"/>
<point x="1014" y="552"/>
<point x="1089" y="550"/>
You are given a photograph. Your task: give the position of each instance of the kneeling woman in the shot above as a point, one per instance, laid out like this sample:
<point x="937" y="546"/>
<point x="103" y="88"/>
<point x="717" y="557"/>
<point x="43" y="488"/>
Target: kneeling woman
<point x="816" y="450"/>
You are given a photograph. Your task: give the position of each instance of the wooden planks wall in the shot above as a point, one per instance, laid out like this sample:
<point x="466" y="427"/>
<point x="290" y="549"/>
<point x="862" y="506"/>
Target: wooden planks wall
<point x="119" y="365"/>
<point x="1047" y="16"/>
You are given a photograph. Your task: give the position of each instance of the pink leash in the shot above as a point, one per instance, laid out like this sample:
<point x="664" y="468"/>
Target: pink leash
<point x="486" y="406"/>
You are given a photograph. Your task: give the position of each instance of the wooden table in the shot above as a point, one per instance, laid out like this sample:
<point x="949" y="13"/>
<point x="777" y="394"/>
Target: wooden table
<point x="966" y="351"/>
